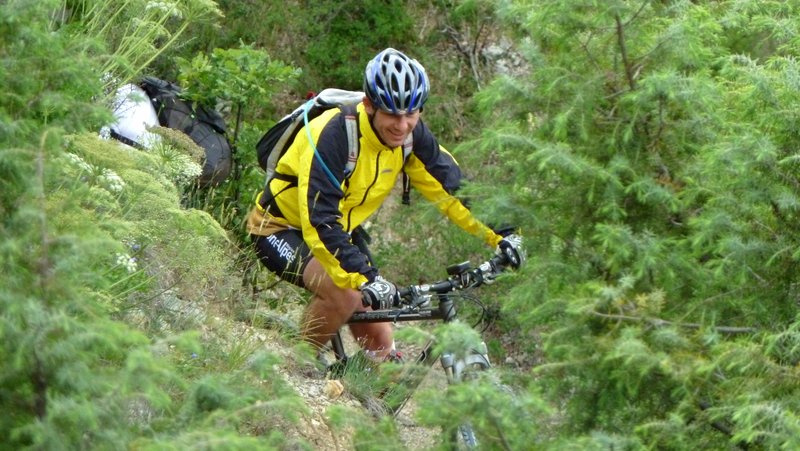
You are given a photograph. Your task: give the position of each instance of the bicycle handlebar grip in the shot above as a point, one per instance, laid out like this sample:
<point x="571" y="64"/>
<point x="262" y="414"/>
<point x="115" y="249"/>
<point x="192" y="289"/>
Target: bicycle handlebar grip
<point x="512" y="247"/>
<point x="500" y="261"/>
<point x="366" y="301"/>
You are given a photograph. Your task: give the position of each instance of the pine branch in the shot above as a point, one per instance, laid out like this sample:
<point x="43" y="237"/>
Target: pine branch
<point x="658" y="322"/>
<point x="43" y="264"/>
<point x="502" y="436"/>
<point x="39" y="383"/>
<point x="624" y="53"/>
<point x="585" y="46"/>
<point x="720" y="426"/>
<point x="638" y="12"/>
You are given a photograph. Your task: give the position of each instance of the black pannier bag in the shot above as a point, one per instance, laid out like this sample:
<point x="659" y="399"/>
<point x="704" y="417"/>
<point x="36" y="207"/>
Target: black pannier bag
<point x="203" y="125"/>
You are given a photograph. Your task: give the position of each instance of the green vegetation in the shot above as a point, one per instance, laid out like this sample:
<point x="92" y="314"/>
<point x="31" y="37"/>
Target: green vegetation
<point x="106" y="278"/>
<point x="647" y="150"/>
<point x="653" y="168"/>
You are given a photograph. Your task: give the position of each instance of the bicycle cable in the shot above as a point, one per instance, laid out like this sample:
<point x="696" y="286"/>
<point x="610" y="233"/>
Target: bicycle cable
<point x="475" y="300"/>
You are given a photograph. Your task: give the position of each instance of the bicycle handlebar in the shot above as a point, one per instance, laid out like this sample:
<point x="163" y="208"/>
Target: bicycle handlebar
<point x="461" y="276"/>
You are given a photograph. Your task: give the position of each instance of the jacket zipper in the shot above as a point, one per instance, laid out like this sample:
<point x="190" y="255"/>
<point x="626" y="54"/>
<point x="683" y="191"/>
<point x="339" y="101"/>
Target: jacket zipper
<point x="366" y="193"/>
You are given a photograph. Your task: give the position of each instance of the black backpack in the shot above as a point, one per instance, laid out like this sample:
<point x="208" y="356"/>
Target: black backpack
<point x="203" y="125"/>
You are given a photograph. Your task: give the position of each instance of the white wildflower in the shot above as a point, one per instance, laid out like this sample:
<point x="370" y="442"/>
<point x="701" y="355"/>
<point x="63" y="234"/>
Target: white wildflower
<point x="178" y="167"/>
<point x="189" y="172"/>
<point x="127" y="262"/>
<point x="78" y="162"/>
<point x="111" y="181"/>
<point x="108" y="78"/>
<point x="166" y="8"/>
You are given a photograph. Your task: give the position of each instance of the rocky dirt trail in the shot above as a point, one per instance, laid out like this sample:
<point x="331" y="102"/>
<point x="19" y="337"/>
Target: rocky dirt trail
<point x="317" y="390"/>
<point x="320" y="394"/>
<point x="277" y="333"/>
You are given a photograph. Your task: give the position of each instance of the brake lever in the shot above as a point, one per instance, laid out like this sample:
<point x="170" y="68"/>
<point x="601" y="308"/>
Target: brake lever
<point x="488" y="272"/>
<point x="418" y="298"/>
<point x="397" y="315"/>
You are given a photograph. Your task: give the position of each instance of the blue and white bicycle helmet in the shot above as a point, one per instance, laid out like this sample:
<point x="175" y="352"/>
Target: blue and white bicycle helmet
<point x="396" y="83"/>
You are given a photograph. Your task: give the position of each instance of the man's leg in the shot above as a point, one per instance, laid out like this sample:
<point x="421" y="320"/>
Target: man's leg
<point x="331" y="307"/>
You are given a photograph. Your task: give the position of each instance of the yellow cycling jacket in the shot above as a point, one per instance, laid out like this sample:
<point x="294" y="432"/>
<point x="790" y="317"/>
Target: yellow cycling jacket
<point x="303" y="196"/>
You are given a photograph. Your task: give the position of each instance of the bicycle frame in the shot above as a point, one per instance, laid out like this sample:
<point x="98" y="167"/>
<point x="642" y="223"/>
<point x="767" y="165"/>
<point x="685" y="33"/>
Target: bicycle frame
<point x="444" y="311"/>
<point x="461" y="276"/>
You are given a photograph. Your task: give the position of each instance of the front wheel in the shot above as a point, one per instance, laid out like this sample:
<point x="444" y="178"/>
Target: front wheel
<point x="461" y="370"/>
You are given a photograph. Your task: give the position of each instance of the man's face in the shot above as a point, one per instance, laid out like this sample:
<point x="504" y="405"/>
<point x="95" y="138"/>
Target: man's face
<point x="392" y="129"/>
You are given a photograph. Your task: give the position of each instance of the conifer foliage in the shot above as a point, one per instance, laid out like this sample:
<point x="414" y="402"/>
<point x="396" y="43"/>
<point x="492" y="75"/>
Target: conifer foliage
<point x="648" y="150"/>
<point x="96" y="251"/>
<point x="651" y="157"/>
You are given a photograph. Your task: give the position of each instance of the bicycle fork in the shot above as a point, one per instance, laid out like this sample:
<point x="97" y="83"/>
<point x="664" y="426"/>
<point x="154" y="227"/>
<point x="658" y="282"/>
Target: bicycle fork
<point x="454" y="367"/>
<point x="457" y="369"/>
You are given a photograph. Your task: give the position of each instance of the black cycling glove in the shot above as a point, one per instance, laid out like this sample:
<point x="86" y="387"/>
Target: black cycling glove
<point x="380" y="294"/>
<point x="511" y="247"/>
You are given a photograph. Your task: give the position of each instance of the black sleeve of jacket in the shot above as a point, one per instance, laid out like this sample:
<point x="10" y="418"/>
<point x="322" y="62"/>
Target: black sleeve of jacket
<point x="324" y="197"/>
<point x="440" y="165"/>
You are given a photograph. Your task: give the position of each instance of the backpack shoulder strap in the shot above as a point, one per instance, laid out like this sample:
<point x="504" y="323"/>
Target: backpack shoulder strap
<point x="351" y="123"/>
<point x="350" y="113"/>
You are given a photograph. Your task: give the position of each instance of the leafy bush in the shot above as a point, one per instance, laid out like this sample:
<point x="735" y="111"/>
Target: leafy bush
<point x="648" y="162"/>
<point x="93" y="233"/>
<point x="344" y="35"/>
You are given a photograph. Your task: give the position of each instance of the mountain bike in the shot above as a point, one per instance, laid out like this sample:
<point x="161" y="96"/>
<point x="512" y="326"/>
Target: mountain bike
<point x="434" y="301"/>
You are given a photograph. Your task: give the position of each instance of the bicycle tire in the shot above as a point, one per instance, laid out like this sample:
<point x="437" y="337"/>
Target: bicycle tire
<point x="464" y="437"/>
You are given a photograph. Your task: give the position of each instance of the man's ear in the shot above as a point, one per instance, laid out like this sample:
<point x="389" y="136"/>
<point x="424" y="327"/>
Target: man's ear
<point x="370" y="109"/>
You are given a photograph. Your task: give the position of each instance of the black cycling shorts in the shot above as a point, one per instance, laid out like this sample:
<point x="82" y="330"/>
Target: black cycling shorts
<point x="285" y="253"/>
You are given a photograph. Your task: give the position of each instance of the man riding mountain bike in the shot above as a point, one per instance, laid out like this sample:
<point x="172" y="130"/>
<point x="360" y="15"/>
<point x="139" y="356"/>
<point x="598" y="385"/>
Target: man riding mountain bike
<point x="304" y="224"/>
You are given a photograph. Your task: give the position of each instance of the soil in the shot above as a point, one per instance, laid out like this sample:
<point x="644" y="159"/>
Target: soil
<point x="320" y="393"/>
<point x="317" y="389"/>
